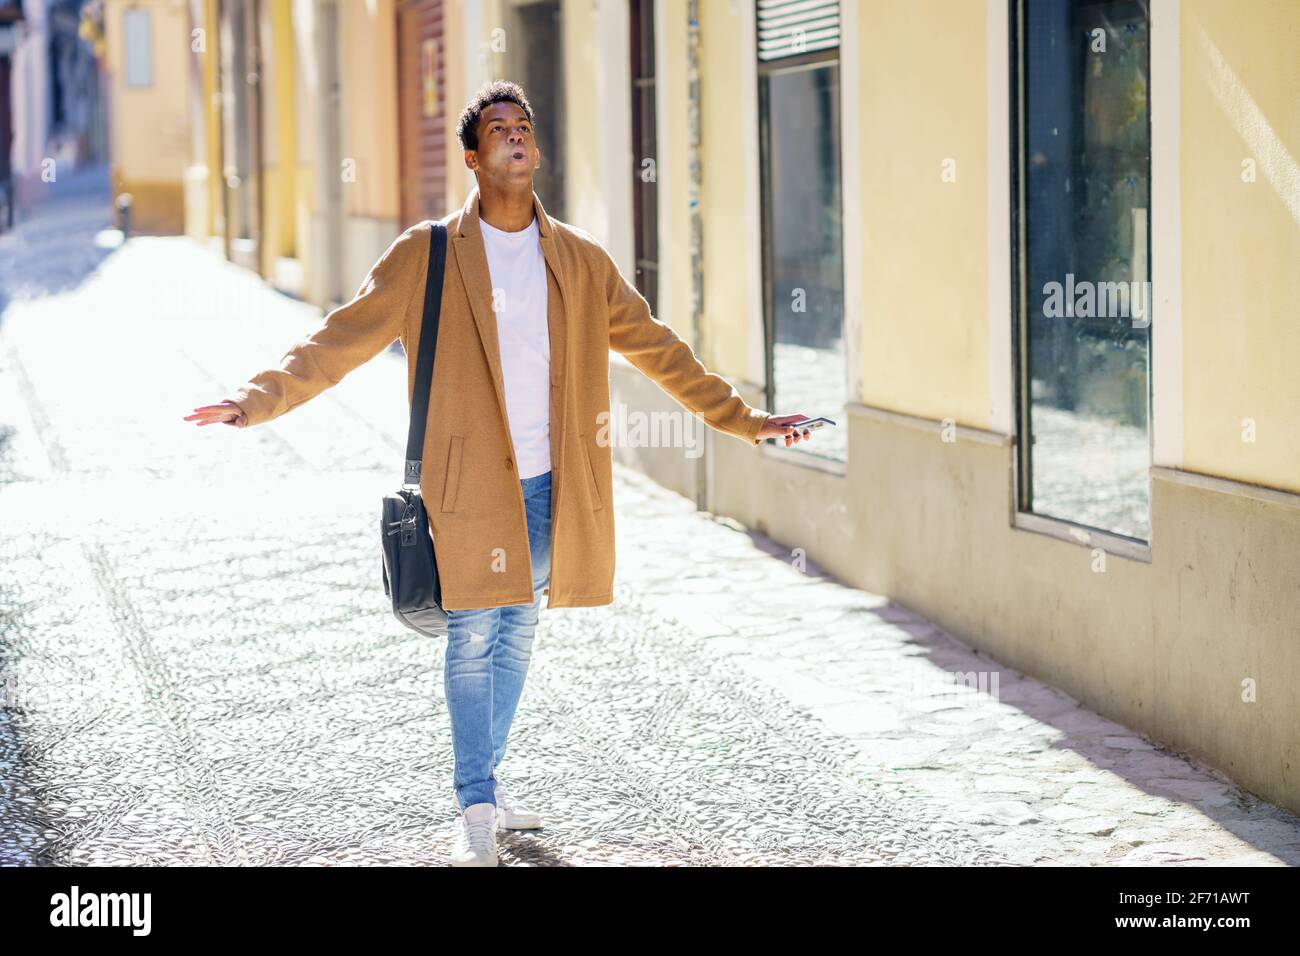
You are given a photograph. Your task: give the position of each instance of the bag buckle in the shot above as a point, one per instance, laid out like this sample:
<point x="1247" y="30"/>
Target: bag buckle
<point x="408" y="525"/>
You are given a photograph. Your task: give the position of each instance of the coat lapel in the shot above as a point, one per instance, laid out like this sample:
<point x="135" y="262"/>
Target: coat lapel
<point x="471" y="260"/>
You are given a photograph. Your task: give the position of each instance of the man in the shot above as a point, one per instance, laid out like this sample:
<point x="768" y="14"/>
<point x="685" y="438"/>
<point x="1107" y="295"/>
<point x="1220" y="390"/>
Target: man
<point x="514" y="479"/>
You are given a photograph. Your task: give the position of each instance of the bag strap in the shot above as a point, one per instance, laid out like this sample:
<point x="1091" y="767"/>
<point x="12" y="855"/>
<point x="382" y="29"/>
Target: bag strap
<point x="424" y="359"/>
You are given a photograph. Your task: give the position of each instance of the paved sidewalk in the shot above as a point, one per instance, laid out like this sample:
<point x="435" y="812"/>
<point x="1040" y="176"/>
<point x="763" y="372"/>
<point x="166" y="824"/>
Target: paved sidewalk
<point x="198" y="665"/>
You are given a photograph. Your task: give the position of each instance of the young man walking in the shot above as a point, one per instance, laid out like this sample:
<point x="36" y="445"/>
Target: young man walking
<point x="517" y="487"/>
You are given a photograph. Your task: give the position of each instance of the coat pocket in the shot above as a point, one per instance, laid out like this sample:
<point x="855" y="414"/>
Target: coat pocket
<point x="592" y="485"/>
<point x="451" y="482"/>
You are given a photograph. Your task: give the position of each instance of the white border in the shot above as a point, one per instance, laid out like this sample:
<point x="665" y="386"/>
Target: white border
<point x="1166" y="237"/>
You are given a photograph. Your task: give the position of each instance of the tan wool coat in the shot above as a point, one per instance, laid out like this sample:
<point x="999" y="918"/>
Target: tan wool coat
<point x="469" y="481"/>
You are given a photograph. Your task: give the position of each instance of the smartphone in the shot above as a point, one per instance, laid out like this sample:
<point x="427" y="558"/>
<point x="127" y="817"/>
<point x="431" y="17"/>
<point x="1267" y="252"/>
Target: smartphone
<point x="810" y="423"/>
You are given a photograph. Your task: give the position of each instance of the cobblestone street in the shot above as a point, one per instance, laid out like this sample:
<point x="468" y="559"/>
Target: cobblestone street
<point x="199" y="666"/>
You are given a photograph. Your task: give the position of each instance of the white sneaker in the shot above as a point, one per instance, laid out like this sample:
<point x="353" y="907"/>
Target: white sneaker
<point x="476" y="838"/>
<point x="511" y="816"/>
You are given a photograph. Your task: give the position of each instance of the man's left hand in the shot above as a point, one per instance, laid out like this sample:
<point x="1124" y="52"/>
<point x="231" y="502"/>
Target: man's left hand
<point x="778" y="426"/>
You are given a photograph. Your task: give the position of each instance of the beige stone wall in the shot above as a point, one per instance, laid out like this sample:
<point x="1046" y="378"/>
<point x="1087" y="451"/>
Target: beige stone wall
<point x="149" y="132"/>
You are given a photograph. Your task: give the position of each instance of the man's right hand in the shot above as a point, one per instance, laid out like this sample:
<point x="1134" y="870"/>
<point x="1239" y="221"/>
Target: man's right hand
<point x="227" y="413"/>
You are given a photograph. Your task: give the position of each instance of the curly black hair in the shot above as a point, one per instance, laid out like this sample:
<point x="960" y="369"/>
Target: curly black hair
<point x="498" y="91"/>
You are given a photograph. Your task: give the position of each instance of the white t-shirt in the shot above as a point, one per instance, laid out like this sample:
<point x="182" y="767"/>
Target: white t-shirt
<point x="518" y="273"/>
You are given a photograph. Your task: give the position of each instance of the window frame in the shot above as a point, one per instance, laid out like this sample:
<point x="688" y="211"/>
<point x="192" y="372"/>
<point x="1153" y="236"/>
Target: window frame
<point x="1023" y="515"/>
<point x="764" y="70"/>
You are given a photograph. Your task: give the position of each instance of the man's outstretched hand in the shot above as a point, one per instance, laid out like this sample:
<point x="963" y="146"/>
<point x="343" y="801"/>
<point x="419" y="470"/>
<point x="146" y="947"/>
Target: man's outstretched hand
<point x="227" y="413"/>
<point x="778" y="426"/>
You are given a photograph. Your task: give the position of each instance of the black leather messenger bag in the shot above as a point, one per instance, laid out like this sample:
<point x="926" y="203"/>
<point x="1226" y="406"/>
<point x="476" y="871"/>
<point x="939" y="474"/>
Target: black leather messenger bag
<point x="410" y="571"/>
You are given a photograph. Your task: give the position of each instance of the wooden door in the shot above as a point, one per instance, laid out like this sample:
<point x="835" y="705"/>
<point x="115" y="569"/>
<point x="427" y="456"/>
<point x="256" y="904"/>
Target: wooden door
<point x="422" y="120"/>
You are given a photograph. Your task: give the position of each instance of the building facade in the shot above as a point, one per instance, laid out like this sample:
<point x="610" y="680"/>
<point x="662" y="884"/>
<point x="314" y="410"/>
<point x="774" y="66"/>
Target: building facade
<point x="1036" y="259"/>
<point x="52" y="110"/>
<point x="149" y="123"/>
<point x="1038" y="262"/>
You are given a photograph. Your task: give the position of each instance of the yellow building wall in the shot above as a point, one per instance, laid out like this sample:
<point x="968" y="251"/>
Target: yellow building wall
<point x="726" y="60"/>
<point x="1240" y="100"/>
<point x="585" y="205"/>
<point x="368" y="71"/>
<point x="921" y="101"/>
<point x="674" y="171"/>
<point x="212" y="117"/>
<point x="149" y="142"/>
<point x="304" y="209"/>
<point x="307" y="120"/>
<point x="280" y="156"/>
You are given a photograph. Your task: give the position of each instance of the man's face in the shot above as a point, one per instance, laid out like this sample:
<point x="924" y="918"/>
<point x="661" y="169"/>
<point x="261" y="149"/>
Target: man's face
<point x="506" y="154"/>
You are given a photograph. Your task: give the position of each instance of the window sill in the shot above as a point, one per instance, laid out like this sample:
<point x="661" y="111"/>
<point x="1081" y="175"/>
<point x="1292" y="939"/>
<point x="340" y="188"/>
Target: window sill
<point x="1112" y="544"/>
<point x="804" y="459"/>
<point x="1227" y="486"/>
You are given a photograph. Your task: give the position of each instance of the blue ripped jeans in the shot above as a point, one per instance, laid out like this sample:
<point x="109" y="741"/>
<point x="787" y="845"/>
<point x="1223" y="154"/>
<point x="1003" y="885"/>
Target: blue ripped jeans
<point x="487" y="659"/>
